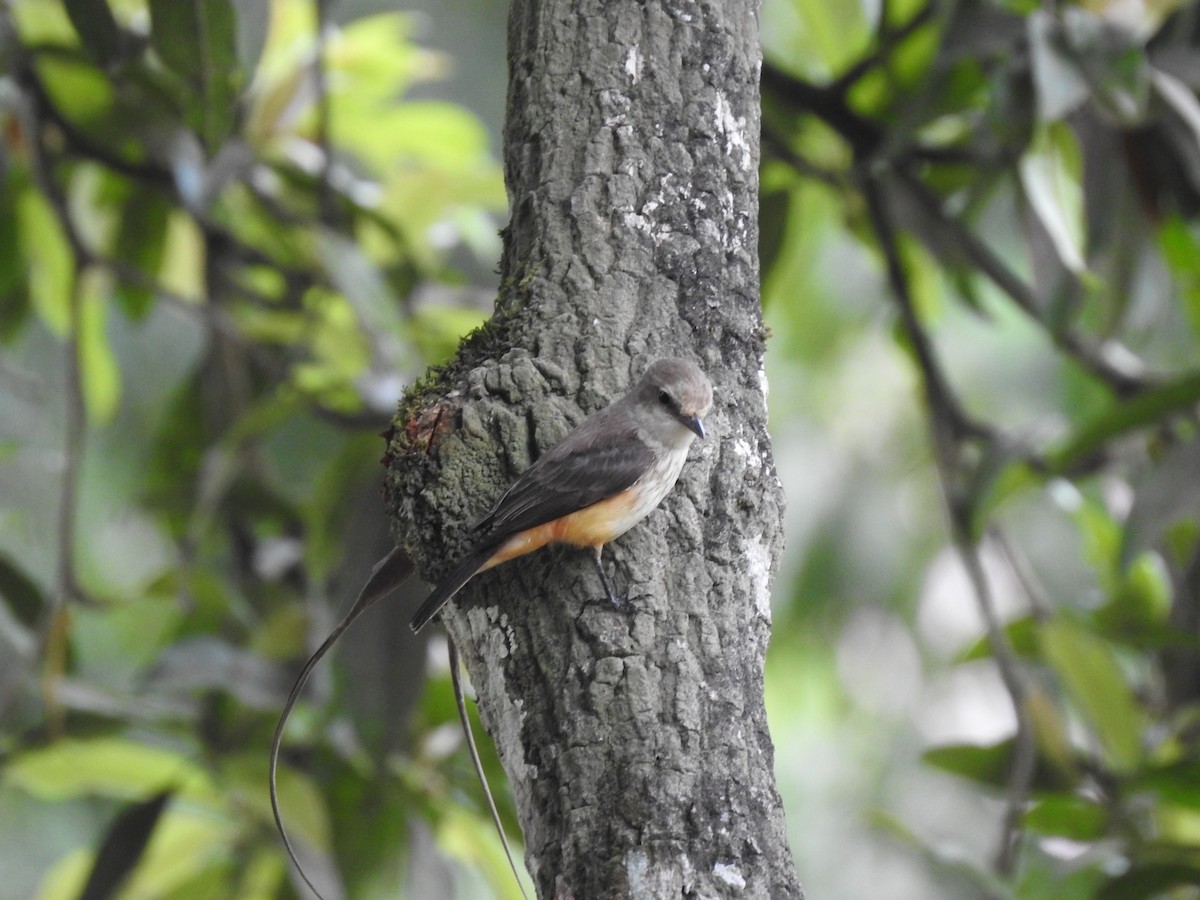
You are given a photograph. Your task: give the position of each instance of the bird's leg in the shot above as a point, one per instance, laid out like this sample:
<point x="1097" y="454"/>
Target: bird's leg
<point x="608" y="588"/>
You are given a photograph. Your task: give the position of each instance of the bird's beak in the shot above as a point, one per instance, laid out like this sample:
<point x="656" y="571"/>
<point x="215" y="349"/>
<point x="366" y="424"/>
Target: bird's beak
<point x="694" y="424"/>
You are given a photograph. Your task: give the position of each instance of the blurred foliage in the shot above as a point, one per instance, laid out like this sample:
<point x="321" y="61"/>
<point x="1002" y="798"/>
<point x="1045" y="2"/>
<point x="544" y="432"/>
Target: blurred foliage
<point x="229" y="236"/>
<point x="1020" y="184"/>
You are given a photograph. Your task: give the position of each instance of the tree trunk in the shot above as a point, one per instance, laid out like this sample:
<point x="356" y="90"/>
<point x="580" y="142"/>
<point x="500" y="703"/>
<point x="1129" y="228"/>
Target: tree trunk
<point x="635" y="739"/>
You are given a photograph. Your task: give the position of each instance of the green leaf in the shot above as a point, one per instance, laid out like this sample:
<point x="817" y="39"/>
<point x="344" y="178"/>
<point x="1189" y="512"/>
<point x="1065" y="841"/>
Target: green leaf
<point x="1180" y="247"/>
<point x="98" y="368"/>
<point x="1087" y="668"/>
<point x="472" y="839"/>
<point x="21" y="593"/>
<point x="186" y="844"/>
<point x="197" y="39"/>
<point x="1145" y="409"/>
<point x="81" y="91"/>
<point x="108" y="767"/>
<point x="14" y="283"/>
<point x="987" y="764"/>
<point x="1068" y="816"/>
<point x="1022" y="635"/>
<point x="140" y="243"/>
<point x="437" y="330"/>
<point x="834" y="34"/>
<point x="1176" y="784"/>
<point x="1043" y="878"/>
<point x="98" y="31"/>
<point x="1138" y="615"/>
<point x="1149" y="880"/>
<point x="48" y="257"/>
<point x="437" y="134"/>
<point x="1051" y="172"/>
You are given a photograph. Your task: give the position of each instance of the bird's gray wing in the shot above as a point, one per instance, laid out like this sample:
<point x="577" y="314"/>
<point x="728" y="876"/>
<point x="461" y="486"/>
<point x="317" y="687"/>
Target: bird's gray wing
<point x="594" y="462"/>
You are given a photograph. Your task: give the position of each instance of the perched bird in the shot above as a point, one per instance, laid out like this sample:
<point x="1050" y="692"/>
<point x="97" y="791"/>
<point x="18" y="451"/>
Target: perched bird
<point x="590" y="488"/>
<point x="596" y="483"/>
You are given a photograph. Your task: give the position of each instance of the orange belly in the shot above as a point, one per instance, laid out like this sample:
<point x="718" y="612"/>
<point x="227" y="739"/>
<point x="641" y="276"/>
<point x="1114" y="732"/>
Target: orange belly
<point x="592" y="526"/>
<point x="596" y="525"/>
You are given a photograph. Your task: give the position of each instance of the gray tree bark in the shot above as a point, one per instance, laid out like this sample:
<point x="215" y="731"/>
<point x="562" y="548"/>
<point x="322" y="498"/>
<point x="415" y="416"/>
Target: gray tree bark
<point x="635" y="739"/>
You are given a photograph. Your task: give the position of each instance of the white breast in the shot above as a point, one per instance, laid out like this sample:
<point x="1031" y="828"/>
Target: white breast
<point x="653" y="487"/>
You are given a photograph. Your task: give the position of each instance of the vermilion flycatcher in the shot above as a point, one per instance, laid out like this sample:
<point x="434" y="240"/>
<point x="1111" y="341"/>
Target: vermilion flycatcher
<point x="597" y="482"/>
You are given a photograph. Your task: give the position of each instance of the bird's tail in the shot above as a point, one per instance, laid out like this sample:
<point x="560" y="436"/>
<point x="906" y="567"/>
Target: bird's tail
<point x="452" y="584"/>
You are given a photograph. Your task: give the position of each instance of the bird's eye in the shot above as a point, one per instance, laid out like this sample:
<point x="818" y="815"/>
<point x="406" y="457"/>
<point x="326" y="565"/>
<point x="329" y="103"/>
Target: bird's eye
<point x="664" y="398"/>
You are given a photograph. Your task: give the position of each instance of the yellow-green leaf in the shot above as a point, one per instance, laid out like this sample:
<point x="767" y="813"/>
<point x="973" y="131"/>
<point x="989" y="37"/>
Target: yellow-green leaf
<point x="109" y="767"/>
<point x="51" y="268"/>
<point x="1089" y="672"/>
<point x="98" y="368"/>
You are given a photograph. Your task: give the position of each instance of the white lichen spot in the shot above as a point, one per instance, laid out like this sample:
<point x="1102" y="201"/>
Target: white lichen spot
<point x="633" y="65"/>
<point x="730" y="875"/>
<point x="645" y="221"/>
<point x="758" y="568"/>
<point x="742" y="448"/>
<point x="734" y="129"/>
<point x="636" y="223"/>
<point x="636" y="866"/>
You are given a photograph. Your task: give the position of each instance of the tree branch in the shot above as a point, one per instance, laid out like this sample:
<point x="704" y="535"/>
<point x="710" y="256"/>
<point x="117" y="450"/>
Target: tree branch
<point x="949" y="429"/>
<point x="1104" y="366"/>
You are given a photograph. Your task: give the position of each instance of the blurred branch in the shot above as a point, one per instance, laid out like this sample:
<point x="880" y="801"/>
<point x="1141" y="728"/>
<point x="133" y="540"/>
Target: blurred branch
<point x="1181" y="664"/>
<point x="1093" y="359"/>
<point x="81" y="143"/>
<point x="216" y="319"/>
<point x="887" y="39"/>
<point x="1039" y="601"/>
<point x="54" y="627"/>
<point x="944" y="406"/>
<point x="866" y="138"/>
<point x="829" y="105"/>
<point x="1024" y="756"/>
<point x="778" y="145"/>
<point x="949" y="429"/>
<point x="42" y="168"/>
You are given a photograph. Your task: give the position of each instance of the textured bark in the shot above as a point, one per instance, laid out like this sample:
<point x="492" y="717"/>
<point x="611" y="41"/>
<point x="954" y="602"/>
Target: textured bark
<point x="635" y="739"/>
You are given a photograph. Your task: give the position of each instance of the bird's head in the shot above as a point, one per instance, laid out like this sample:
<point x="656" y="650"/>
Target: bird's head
<point x="678" y="393"/>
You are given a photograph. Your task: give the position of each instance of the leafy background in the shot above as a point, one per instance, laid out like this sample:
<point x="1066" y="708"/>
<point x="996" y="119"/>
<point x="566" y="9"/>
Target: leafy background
<point x="232" y="231"/>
